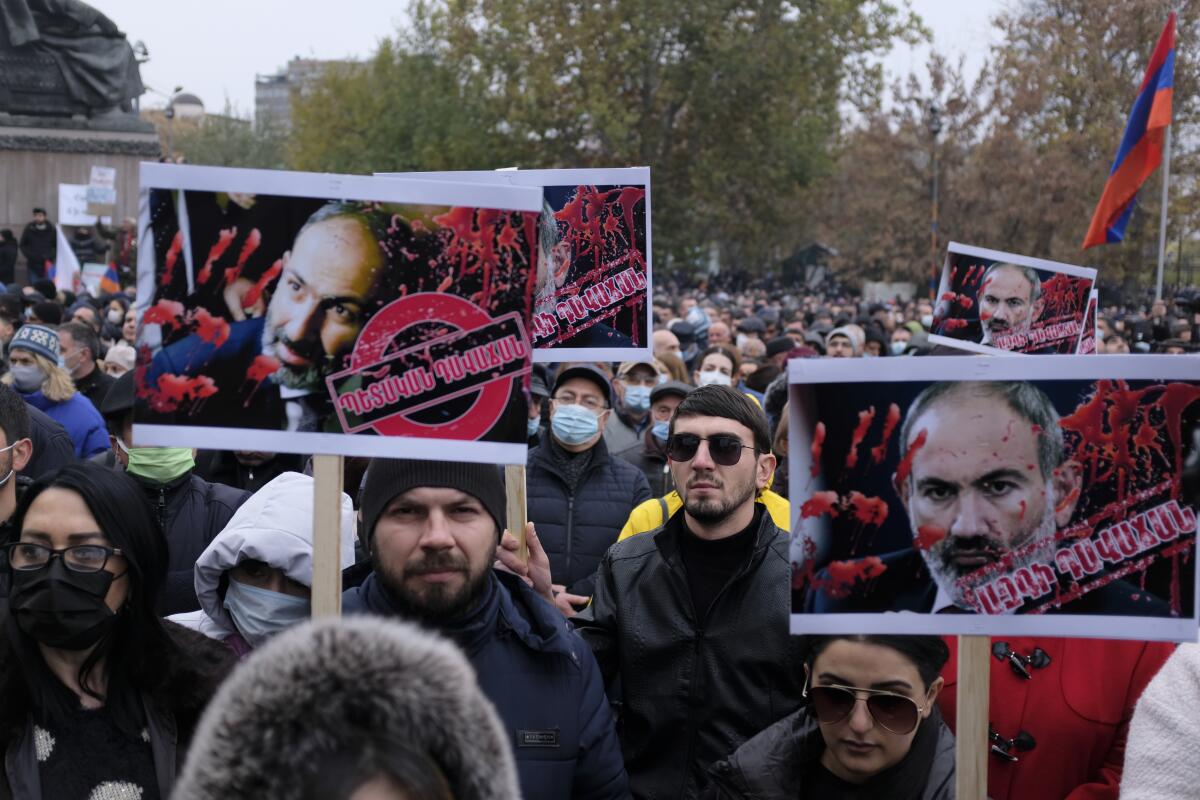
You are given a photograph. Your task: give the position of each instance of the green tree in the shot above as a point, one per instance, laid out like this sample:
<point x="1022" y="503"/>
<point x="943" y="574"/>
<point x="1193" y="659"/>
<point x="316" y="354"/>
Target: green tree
<point x="228" y="140"/>
<point x="732" y="103"/>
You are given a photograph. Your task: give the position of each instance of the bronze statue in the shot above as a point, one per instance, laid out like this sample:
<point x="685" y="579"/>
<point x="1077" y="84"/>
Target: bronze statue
<point x="64" y="58"/>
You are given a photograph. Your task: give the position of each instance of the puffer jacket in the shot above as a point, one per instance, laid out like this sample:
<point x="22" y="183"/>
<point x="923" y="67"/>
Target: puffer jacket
<point x="81" y="419"/>
<point x="693" y="689"/>
<point x="274" y="526"/>
<point x="772" y="765"/>
<point x="543" y="682"/>
<point x="192" y="512"/>
<point x="331" y="690"/>
<point x="576" y="528"/>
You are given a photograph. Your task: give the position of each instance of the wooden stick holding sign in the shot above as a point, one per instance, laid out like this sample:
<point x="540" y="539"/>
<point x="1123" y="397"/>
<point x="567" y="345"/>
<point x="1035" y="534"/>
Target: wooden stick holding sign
<point x="971" y="746"/>
<point x="327" y="536"/>
<point x="514" y="489"/>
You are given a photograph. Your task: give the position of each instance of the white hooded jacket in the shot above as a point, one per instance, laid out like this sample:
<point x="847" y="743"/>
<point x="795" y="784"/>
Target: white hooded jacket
<point x="274" y="526"/>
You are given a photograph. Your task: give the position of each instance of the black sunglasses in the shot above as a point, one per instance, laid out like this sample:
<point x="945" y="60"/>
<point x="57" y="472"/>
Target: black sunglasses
<point x="725" y="448"/>
<point x="894" y="712"/>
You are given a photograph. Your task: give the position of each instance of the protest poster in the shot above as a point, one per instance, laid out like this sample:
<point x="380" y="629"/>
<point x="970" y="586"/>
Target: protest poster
<point x="102" y="190"/>
<point x="995" y="496"/>
<point x="326" y="314"/>
<point x="73" y="206"/>
<point x="989" y="301"/>
<point x="593" y="287"/>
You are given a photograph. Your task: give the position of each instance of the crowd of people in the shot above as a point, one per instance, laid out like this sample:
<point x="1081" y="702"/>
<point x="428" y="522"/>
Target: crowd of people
<point x="154" y="599"/>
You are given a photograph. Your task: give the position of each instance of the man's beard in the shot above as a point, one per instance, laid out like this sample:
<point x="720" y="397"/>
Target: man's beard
<point x="993" y="328"/>
<point x="714" y="511"/>
<point x="1035" y="546"/>
<point x="439" y="604"/>
<point x="302" y="378"/>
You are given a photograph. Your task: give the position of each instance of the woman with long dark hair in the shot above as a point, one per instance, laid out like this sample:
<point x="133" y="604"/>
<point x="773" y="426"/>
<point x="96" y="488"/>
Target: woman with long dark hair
<point x="870" y="729"/>
<point x="98" y="695"/>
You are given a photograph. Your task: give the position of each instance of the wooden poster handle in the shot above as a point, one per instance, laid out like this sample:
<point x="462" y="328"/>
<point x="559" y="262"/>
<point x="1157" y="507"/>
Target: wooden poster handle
<point x="971" y="728"/>
<point x="514" y="488"/>
<point x="327" y="536"/>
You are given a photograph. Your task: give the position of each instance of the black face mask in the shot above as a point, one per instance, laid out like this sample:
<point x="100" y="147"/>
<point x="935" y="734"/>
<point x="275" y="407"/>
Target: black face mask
<point x="62" y="608"/>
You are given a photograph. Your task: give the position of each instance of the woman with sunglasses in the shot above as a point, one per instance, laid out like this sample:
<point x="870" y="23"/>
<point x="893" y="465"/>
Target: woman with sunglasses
<point x="870" y="729"/>
<point x="98" y="696"/>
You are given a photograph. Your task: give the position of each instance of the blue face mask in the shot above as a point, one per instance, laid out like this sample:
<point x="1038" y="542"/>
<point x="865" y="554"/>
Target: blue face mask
<point x="661" y="430"/>
<point x="533" y="426"/>
<point x="259" y="614"/>
<point x="637" y="399"/>
<point x="574" y="424"/>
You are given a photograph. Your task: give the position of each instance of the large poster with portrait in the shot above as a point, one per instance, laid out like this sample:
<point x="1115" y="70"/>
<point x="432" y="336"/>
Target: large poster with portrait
<point x="593" y="286"/>
<point x="1003" y="497"/>
<point x="302" y="313"/>
<point x="1003" y="303"/>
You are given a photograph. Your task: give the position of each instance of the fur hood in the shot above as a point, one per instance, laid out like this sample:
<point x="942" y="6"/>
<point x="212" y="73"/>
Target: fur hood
<point x="336" y="685"/>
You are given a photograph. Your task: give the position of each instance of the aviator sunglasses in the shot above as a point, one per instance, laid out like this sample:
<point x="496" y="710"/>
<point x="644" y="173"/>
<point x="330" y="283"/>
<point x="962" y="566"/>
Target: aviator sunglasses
<point x="894" y="712"/>
<point x="725" y="448"/>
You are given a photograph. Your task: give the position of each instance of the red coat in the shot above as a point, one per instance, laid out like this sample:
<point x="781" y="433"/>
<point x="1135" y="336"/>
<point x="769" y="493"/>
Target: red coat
<point x="1077" y="709"/>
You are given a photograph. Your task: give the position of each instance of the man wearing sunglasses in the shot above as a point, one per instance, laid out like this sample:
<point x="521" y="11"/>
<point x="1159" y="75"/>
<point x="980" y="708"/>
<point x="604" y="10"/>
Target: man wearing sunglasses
<point x="693" y="617"/>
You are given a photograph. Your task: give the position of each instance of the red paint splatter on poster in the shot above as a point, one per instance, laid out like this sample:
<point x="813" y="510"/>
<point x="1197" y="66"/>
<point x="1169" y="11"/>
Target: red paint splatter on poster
<point x="879" y="452"/>
<point x="865" y="418"/>
<point x="225" y="238"/>
<point x="253" y="240"/>
<point x="168" y="313"/>
<point x="173" y="252"/>
<point x="905" y="466"/>
<point x="868" y="510"/>
<point x="928" y="536"/>
<point x="210" y="329"/>
<point x="846" y="576"/>
<point x="820" y="503"/>
<point x="817" y="445"/>
<point x="255" y="292"/>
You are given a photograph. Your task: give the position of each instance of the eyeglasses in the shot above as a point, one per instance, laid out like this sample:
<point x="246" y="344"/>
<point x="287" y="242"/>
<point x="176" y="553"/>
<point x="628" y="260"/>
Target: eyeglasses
<point x="593" y="404"/>
<point x="725" y="448"/>
<point x="894" y="712"/>
<point x="27" y="556"/>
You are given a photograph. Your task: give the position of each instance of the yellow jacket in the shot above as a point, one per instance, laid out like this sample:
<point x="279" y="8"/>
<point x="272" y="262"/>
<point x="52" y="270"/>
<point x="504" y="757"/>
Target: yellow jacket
<point x="649" y="515"/>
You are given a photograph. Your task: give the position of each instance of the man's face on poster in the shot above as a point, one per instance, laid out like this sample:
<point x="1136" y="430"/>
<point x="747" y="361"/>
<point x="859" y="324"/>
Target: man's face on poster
<point x="1006" y="304"/>
<point x="320" y="303"/>
<point x="977" y="493"/>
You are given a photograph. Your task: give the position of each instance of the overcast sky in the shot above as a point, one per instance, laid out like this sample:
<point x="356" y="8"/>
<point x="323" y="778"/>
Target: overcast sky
<point x="214" y="49"/>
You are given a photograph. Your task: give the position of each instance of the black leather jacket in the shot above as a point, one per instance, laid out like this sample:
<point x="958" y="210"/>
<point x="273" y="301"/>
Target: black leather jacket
<point x="693" y="690"/>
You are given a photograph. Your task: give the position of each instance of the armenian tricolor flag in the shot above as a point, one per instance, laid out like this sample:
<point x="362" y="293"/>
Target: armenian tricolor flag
<point x="109" y="282"/>
<point x="1141" y="147"/>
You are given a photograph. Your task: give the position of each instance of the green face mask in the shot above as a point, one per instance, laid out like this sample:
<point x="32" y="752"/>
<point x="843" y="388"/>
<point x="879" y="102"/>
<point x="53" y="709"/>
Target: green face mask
<point x="161" y="464"/>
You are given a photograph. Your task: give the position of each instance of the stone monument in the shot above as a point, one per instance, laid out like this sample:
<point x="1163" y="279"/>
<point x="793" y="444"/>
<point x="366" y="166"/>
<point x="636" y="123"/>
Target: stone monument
<point x="69" y="84"/>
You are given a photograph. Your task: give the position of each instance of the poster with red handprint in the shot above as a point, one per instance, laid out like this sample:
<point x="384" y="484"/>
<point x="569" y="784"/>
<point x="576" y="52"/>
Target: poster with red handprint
<point x="995" y="496"/>
<point x="301" y="313"/>
<point x="994" y="302"/>
<point x="593" y="285"/>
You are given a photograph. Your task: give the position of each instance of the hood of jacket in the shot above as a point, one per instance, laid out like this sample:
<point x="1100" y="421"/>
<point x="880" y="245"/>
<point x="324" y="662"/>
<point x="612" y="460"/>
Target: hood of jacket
<point x="275" y="526"/>
<point x="334" y="687"/>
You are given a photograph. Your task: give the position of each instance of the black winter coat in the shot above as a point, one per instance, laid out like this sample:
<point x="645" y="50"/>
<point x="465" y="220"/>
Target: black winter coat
<point x="192" y="512"/>
<point x="8" y="261"/>
<point x="577" y="528"/>
<point x="653" y="464"/>
<point x="694" y="689"/>
<point x="543" y="682"/>
<point x="772" y="765"/>
<point x="191" y="679"/>
<point x="39" y="246"/>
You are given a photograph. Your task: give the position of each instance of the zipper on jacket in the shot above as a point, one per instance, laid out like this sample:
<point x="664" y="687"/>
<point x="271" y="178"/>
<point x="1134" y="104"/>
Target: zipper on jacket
<point x="162" y="509"/>
<point x="570" y="531"/>
<point x="701" y="626"/>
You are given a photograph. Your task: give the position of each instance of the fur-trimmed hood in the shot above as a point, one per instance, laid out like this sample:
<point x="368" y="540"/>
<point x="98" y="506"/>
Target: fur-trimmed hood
<point x="337" y="684"/>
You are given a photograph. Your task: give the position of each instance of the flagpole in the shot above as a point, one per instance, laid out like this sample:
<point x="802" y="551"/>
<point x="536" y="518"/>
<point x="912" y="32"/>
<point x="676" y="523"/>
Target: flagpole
<point x="1162" y="221"/>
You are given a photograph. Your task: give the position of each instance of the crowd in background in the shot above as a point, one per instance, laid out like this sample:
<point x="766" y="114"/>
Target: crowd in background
<point x="641" y="649"/>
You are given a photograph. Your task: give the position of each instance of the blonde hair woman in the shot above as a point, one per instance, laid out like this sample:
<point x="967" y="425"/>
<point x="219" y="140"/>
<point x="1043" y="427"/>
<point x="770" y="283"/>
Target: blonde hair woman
<point x="34" y="371"/>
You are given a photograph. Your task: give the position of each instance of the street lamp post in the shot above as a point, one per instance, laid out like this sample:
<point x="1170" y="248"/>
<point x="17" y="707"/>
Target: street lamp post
<point x="935" y="127"/>
<point x="170" y="115"/>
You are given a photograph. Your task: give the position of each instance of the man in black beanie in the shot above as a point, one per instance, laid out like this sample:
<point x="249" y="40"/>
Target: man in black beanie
<point x="433" y="529"/>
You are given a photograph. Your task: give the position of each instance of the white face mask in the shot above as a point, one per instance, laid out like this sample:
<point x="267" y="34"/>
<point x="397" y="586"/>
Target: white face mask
<point x="927" y="321"/>
<point x="898" y="347"/>
<point x="710" y="376"/>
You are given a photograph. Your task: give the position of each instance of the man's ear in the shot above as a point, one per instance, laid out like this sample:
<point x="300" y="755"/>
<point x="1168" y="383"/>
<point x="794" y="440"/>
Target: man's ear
<point x="901" y="490"/>
<point x="22" y="453"/>
<point x="1067" y="481"/>
<point x="931" y="696"/>
<point x="1035" y="313"/>
<point x="766" y="468"/>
